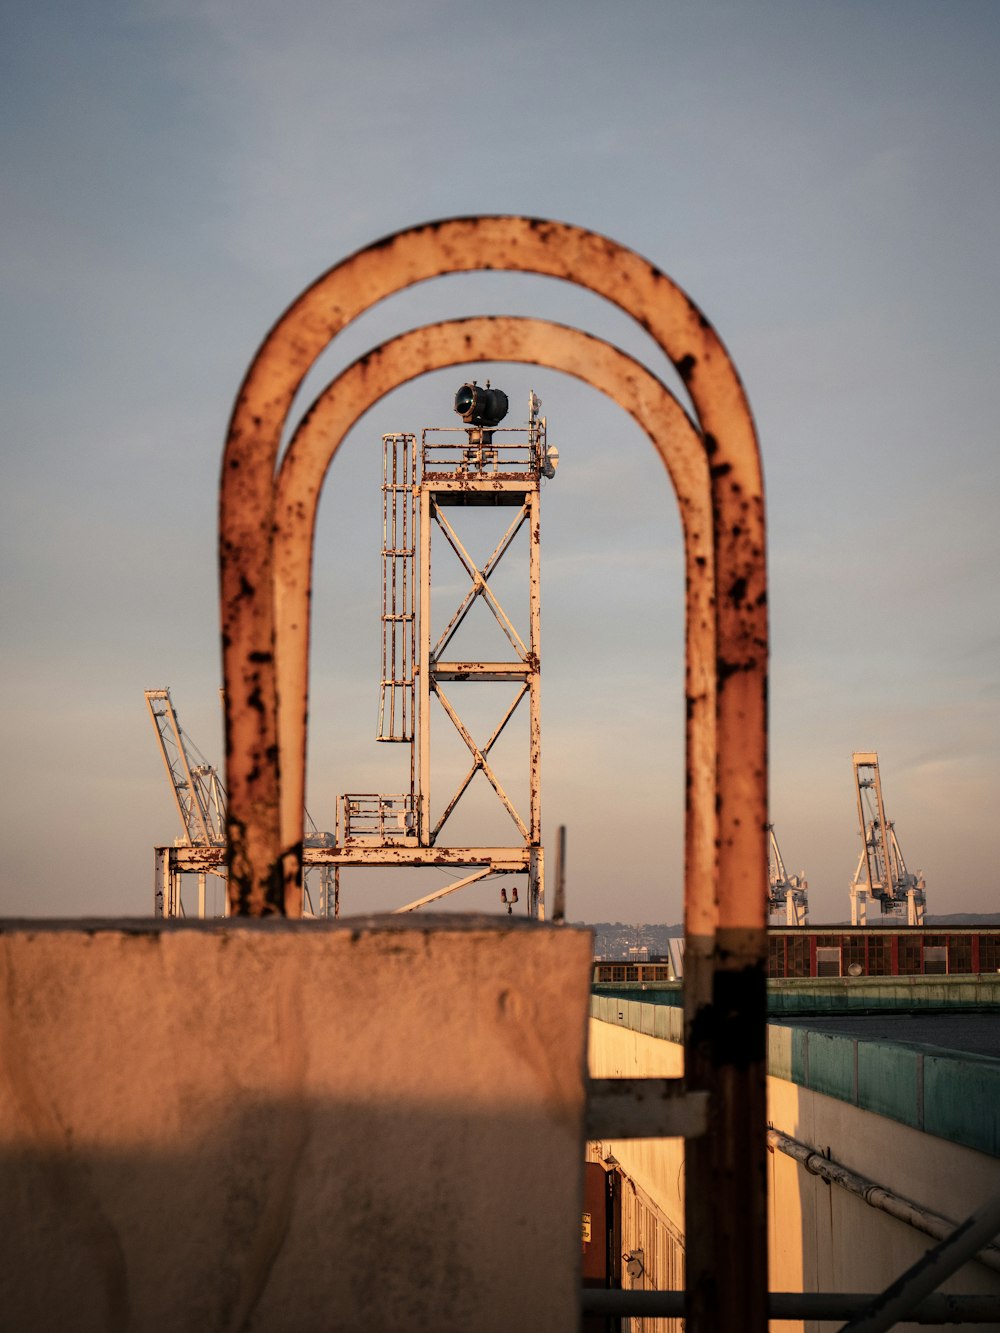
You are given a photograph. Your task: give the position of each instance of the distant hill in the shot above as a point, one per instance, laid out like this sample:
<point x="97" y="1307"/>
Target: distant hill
<point x="621" y="940"/>
<point x="965" y="919"/>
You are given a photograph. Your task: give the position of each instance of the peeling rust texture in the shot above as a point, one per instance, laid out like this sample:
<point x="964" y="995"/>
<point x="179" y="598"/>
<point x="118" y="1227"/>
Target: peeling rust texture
<point x="265" y="545"/>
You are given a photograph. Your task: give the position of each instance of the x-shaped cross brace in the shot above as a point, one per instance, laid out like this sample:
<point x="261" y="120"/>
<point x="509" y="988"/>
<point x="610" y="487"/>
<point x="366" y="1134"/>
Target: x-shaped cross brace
<point x="479" y="579"/>
<point x="480" y="760"/>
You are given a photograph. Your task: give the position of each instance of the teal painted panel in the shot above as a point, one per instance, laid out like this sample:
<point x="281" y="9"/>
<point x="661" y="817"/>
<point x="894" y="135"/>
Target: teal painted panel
<point x="800" y="1056"/>
<point x="889" y="1081"/>
<point x="962" y="1100"/>
<point x="647" y="1019"/>
<point x="779" y="1051"/>
<point x="831" y="1065"/>
<point x="825" y="995"/>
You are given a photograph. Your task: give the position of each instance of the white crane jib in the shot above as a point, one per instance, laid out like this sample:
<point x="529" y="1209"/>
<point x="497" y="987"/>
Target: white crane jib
<point x="198" y="793"/>
<point x="201" y="803"/>
<point x="881" y="871"/>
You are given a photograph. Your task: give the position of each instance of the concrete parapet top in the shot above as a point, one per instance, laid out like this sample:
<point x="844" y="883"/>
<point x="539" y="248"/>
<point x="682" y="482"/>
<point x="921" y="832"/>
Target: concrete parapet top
<point x="437" y="922"/>
<point x="278" y="1125"/>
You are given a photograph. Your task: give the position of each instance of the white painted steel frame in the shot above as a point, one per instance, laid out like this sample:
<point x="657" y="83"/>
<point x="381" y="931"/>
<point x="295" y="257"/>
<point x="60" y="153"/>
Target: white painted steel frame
<point x="435" y="672"/>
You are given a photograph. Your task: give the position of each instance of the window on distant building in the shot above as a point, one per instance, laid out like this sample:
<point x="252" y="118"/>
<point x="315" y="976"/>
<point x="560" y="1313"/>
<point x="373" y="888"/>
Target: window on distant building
<point x="960" y="953"/>
<point x="828" y="961"/>
<point x="935" y="958"/>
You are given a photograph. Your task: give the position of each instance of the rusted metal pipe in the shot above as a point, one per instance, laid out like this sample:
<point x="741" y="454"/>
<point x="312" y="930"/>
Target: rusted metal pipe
<point x="874" y="1194"/>
<point x="559" y="903"/>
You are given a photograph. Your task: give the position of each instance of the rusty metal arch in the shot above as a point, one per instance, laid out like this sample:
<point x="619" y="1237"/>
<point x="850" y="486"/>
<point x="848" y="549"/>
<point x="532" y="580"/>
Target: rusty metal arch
<point x="433" y="347"/>
<point x="724" y="985"/>
<point x="246" y="508"/>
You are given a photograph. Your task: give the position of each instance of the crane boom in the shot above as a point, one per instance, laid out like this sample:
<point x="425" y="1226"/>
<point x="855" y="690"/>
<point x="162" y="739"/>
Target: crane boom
<point x="201" y="803"/>
<point x="198" y="793"/>
<point x="881" y="871"/>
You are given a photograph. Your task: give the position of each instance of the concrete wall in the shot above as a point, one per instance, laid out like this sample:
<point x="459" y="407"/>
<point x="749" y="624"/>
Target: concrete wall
<point x="292" y="1125"/>
<point x="821" y="1237"/>
<point x="655" y="1165"/>
<point x="824" y="1239"/>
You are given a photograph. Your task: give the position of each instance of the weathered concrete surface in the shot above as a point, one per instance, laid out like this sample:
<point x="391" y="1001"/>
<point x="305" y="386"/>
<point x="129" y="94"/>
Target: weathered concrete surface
<point x="286" y="1126"/>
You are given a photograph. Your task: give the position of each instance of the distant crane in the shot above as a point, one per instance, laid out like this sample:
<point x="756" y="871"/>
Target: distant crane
<point x="881" y="871"/>
<point x="785" y="891"/>
<point x="200" y="798"/>
<point x="201" y="803"/>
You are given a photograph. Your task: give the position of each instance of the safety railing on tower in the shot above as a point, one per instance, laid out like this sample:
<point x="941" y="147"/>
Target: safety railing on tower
<point x="377" y="818"/>
<point x="506" y="451"/>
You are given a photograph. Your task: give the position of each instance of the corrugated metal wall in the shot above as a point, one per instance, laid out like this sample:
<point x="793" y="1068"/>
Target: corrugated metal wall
<point x="647" y="1230"/>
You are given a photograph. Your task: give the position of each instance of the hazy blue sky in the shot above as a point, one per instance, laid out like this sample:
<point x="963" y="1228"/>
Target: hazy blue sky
<point x="821" y="178"/>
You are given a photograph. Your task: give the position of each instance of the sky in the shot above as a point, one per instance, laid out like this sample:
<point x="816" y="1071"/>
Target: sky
<point x="823" y="181"/>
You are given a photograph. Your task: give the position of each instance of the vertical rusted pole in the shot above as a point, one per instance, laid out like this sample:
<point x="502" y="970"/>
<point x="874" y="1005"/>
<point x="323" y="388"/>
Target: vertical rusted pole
<point x="559" y="905"/>
<point x="726" y="1041"/>
<point x="161" y="890"/>
<point x="536" y="894"/>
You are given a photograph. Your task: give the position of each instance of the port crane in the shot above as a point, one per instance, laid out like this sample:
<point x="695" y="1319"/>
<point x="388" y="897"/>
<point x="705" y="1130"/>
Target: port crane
<point x="785" y="892"/>
<point x="201" y="803"/>
<point x="881" y="871"/>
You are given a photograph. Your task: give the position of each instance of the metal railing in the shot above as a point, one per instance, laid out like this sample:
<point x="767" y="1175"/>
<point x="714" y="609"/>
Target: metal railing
<point x="472" y="451"/>
<point x="377" y="818"/>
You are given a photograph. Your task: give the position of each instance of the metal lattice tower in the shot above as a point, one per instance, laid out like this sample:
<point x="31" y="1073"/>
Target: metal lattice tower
<point x="881" y="871"/>
<point x="431" y="496"/>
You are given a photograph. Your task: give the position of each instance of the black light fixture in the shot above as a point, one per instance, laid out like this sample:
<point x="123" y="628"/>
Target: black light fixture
<point x="480" y="406"/>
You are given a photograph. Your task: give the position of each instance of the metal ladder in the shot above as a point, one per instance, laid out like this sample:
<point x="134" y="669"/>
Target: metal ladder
<point x="399" y="626"/>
